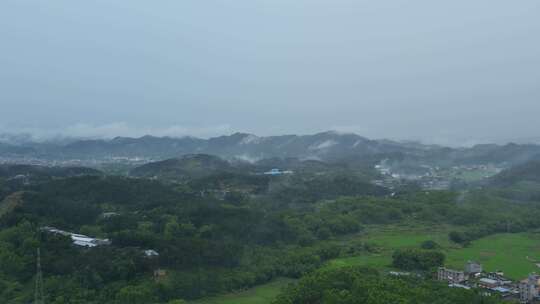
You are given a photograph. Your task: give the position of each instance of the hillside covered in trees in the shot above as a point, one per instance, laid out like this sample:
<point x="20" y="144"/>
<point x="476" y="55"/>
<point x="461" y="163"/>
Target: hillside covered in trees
<point x="222" y="231"/>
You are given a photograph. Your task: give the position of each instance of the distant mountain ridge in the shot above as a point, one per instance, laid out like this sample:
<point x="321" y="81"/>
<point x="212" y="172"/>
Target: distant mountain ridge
<point x="321" y="146"/>
<point x="9" y="171"/>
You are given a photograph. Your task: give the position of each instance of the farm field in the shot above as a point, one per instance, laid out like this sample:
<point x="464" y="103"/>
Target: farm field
<point x="262" y="294"/>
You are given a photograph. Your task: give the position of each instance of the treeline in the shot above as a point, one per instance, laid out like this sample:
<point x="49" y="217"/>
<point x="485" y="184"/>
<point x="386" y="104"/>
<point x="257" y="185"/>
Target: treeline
<point x="417" y="259"/>
<point x="306" y="189"/>
<point x="469" y="234"/>
<point x="494" y="214"/>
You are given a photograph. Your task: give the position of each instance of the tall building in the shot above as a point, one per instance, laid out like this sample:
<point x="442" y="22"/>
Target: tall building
<point x="473" y="267"/>
<point x="528" y="288"/>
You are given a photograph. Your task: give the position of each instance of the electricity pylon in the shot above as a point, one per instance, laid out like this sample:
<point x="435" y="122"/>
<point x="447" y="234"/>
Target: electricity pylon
<point x="39" y="296"/>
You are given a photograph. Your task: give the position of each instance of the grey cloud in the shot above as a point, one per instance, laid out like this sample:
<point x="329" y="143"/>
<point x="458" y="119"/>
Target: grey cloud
<point x="453" y="71"/>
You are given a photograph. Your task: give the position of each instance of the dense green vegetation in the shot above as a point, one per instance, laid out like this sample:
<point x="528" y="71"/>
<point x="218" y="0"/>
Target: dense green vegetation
<point x="416" y="259"/>
<point x="529" y="171"/>
<point x="520" y="183"/>
<point x="186" y="167"/>
<point x="227" y="231"/>
<point x="207" y="246"/>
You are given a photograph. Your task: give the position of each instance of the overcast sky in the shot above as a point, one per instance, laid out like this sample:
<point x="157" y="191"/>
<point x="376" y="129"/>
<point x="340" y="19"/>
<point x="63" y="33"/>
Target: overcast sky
<point x="456" y="72"/>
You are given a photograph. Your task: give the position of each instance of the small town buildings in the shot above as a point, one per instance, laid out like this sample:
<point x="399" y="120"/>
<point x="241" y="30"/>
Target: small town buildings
<point x="456" y="285"/>
<point x="488" y="283"/>
<point x="82" y="240"/>
<point x="55" y="231"/>
<point x="529" y="288"/>
<point x="399" y="274"/>
<point x="86" y="241"/>
<point x="472" y="267"/>
<point x="21" y="178"/>
<point x="502" y="290"/>
<point x="151" y="253"/>
<point x="108" y="214"/>
<point x="450" y="275"/>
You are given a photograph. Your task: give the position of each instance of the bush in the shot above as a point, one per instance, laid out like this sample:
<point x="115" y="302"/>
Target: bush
<point x="428" y="245"/>
<point x="415" y="259"/>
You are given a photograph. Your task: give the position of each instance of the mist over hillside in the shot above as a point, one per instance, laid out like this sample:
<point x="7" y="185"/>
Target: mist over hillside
<point x="326" y="146"/>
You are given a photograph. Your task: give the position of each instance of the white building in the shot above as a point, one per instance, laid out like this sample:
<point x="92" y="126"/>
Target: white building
<point x="488" y="283"/>
<point x="86" y="241"/>
<point x="450" y="275"/>
<point x="456" y="285"/>
<point x="79" y="239"/>
<point x="278" y="172"/>
<point x="151" y="253"/>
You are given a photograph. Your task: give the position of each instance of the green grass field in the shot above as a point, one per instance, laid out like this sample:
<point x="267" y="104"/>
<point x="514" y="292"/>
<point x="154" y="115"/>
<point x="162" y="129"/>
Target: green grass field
<point x="389" y="239"/>
<point x="515" y="254"/>
<point x="470" y="175"/>
<point x="262" y="294"/>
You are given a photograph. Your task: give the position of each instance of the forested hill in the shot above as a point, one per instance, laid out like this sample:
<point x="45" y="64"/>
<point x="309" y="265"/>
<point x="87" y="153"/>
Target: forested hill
<point x="15" y="178"/>
<point x="202" y="165"/>
<point x="10" y="171"/>
<point x="188" y="166"/>
<point x="527" y="172"/>
<point x="519" y="183"/>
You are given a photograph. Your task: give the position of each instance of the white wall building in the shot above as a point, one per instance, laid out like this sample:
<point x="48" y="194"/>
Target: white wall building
<point x="450" y="275"/>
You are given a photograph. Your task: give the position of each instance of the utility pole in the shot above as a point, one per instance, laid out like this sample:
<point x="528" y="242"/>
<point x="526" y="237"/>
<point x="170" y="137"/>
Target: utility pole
<point x="39" y="297"/>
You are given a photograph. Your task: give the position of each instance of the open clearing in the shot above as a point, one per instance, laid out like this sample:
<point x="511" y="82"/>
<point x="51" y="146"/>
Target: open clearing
<point x="515" y="254"/>
<point x="262" y="294"/>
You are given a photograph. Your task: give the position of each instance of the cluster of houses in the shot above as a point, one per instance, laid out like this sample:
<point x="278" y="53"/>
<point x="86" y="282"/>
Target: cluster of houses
<point x="21" y="178"/>
<point x="430" y="177"/>
<point x="473" y="276"/>
<point x="428" y="181"/>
